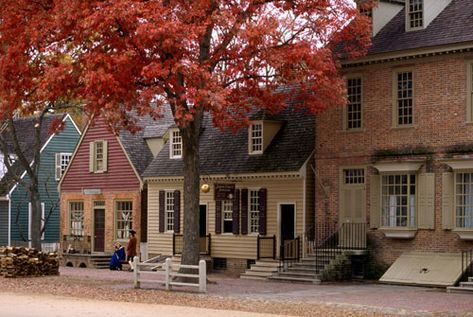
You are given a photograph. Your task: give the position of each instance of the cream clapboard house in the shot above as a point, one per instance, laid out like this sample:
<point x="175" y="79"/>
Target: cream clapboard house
<point x="261" y="186"/>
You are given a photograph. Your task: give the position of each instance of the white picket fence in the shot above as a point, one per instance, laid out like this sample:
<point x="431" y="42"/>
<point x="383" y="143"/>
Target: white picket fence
<point x="169" y="274"/>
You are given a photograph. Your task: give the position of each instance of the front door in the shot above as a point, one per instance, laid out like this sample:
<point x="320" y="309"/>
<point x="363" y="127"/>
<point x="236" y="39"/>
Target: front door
<point x="99" y="230"/>
<point x="203" y="228"/>
<point x="287" y="222"/>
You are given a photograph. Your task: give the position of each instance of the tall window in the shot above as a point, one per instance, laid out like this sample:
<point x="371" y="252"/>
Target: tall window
<point x="98" y="156"/>
<point x="76" y="218"/>
<point x="124" y="218"/>
<point x="415" y="15"/>
<point x="404" y="98"/>
<point x="62" y="160"/>
<point x="227" y="212"/>
<point x="169" y="210"/>
<point x="464" y="200"/>
<point x="254" y="211"/>
<point x="256" y="138"/>
<point x="398" y="200"/>
<point x="353" y="109"/>
<point x="176" y="144"/>
<point x="354" y="176"/>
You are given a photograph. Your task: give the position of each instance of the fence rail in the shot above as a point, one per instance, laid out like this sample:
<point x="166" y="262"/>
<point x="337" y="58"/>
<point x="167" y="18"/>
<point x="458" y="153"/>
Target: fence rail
<point x="205" y="244"/>
<point x="266" y="247"/>
<point x="169" y="274"/>
<point x="467" y="262"/>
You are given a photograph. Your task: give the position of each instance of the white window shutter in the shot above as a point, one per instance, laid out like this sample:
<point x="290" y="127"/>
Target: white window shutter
<point x="105" y="156"/>
<point x="375" y="201"/>
<point x="448" y="200"/>
<point x="91" y="157"/>
<point x="57" y="169"/>
<point x="426" y="202"/>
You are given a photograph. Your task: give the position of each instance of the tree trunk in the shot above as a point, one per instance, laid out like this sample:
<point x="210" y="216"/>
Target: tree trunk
<point x="35" y="216"/>
<point x="191" y="159"/>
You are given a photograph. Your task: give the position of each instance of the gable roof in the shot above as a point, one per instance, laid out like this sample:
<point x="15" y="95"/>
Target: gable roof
<point x="453" y="25"/>
<point x="227" y="153"/>
<point x="25" y="131"/>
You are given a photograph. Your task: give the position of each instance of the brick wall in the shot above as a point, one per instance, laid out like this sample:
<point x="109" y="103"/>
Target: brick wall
<point x="439" y="123"/>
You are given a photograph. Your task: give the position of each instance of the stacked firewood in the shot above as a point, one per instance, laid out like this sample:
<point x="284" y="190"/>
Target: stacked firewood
<point x="20" y="261"/>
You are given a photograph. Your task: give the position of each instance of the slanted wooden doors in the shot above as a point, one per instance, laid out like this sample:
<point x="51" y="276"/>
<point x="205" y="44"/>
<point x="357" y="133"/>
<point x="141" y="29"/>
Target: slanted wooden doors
<point x="99" y="226"/>
<point x="352" y="209"/>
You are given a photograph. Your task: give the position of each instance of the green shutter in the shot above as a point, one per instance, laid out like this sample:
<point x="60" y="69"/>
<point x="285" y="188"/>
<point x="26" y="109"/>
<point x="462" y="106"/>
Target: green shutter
<point x="375" y="201"/>
<point x="448" y="202"/>
<point x="426" y="201"/>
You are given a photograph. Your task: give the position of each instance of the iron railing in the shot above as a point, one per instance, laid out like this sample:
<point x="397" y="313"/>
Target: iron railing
<point x="467" y="262"/>
<point x="290" y="252"/>
<point x="347" y="237"/>
<point x="178" y="242"/>
<point x="266" y="247"/>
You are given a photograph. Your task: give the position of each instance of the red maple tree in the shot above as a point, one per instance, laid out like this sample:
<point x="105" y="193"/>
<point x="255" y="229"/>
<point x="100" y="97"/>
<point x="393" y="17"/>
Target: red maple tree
<point x="219" y="56"/>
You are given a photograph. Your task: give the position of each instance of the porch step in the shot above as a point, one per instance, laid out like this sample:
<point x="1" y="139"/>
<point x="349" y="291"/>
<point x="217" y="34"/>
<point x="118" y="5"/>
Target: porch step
<point x="293" y="279"/>
<point x="261" y="270"/>
<point x="100" y="261"/>
<point x="460" y="289"/>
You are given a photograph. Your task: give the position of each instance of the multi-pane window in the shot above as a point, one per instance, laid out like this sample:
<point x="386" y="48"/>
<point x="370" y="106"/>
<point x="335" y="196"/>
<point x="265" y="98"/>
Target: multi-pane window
<point x="124" y="218"/>
<point x="99" y="156"/>
<point x="415" y="14"/>
<point x="227" y="213"/>
<point x="398" y="199"/>
<point x="254" y="211"/>
<point x="176" y="144"/>
<point x="354" y="176"/>
<point x="169" y="210"/>
<point x="62" y="160"/>
<point x="256" y="138"/>
<point x="404" y="98"/>
<point x="76" y="218"/>
<point x="464" y="200"/>
<point x="354" y="111"/>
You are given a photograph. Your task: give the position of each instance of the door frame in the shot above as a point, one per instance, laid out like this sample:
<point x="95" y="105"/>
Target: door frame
<point x="94" y="208"/>
<point x="206" y="204"/>
<point x="278" y="234"/>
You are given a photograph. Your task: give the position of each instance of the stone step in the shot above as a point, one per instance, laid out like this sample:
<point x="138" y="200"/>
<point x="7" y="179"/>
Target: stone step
<point x="253" y="277"/>
<point x="466" y="284"/>
<point x="263" y="269"/>
<point x="255" y="273"/>
<point x="295" y="279"/>
<point x="297" y="274"/>
<point x="460" y="289"/>
<point x="470" y="279"/>
<point x="273" y="264"/>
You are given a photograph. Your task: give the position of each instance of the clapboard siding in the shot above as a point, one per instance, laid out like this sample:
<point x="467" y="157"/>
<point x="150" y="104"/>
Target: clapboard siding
<point x="63" y="142"/>
<point x="119" y="175"/>
<point x="228" y="245"/>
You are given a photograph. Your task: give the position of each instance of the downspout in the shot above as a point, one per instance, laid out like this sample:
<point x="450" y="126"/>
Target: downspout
<point x="9" y="219"/>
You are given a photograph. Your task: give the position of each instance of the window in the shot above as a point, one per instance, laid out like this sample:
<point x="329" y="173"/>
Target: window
<point x="98" y="156"/>
<point x="404" y="103"/>
<point x="415" y="15"/>
<point x="353" y="109"/>
<point x="124" y="218"/>
<point x="354" y="176"/>
<point x="62" y="160"/>
<point x="30" y="210"/>
<point x="76" y="218"/>
<point x="464" y="200"/>
<point x="227" y="210"/>
<point x="176" y="144"/>
<point x="256" y="138"/>
<point x="398" y="200"/>
<point x="254" y="211"/>
<point x="169" y="210"/>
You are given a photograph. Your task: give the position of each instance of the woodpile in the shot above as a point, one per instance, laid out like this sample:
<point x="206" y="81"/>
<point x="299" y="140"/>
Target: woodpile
<point x="20" y="261"/>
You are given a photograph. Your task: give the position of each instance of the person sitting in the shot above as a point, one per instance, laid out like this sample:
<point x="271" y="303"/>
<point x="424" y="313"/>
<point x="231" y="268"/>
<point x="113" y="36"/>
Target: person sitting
<point x="118" y="257"/>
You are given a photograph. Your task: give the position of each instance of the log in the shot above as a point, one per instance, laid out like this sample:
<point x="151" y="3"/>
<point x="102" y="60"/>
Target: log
<point x="24" y="262"/>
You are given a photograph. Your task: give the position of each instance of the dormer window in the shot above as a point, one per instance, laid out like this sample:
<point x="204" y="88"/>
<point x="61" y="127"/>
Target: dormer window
<point x="175" y="144"/>
<point x="256" y="138"/>
<point x="415" y="15"/>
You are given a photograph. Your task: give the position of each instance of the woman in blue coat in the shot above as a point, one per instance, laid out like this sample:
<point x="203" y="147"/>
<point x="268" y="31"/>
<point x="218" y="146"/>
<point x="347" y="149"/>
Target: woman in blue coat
<point x="117" y="257"/>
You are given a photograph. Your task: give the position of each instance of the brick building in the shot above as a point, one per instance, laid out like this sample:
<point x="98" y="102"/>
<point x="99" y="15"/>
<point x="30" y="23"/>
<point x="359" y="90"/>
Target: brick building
<point x="399" y="155"/>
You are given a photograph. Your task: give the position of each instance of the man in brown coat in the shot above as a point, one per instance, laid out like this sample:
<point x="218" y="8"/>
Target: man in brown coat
<point x="131" y="248"/>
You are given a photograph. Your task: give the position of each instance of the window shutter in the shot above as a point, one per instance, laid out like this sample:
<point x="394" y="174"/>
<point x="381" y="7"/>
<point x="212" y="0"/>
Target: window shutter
<point x="57" y="164"/>
<point x="426" y="202"/>
<point x="244" y="211"/>
<point x="236" y="212"/>
<point x="177" y="211"/>
<point x="218" y="216"/>
<point x="105" y="156"/>
<point x="375" y="202"/>
<point x="161" y="210"/>
<point x="448" y="202"/>
<point x="262" y="210"/>
<point x="91" y="157"/>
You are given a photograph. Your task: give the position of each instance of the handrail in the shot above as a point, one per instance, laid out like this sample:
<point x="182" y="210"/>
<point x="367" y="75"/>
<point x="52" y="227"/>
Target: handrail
<point x="467" y="262"/>
<point x="262" y="246"/>
<point x="290" y="253"/>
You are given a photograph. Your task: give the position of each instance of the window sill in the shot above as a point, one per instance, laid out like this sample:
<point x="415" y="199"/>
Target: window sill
<point x="360" y="130"/>
<point x="399" y="233"/>
<point x="464" y="233"/>
<point x="403" y="127"/>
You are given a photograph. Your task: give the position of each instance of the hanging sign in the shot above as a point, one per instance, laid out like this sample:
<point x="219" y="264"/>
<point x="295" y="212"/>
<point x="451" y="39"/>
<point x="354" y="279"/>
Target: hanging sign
<point x="224" y="191"/>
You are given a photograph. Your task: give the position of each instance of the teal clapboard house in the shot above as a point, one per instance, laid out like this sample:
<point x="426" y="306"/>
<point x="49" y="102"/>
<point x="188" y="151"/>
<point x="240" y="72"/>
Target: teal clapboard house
<point x="15" y="208"/>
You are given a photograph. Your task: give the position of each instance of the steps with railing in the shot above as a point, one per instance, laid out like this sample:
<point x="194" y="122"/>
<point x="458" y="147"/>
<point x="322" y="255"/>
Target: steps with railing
<point x="467" y="268"/>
